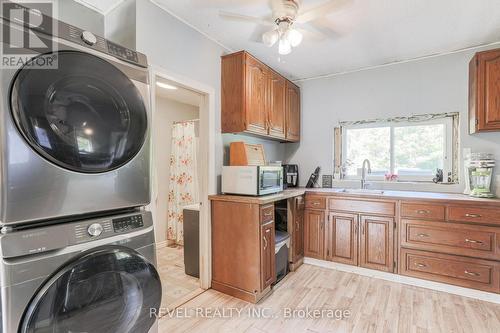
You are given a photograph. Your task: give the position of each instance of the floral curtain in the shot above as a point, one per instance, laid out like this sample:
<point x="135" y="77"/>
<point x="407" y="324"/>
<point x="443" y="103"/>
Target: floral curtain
<point x="183" y="187"/>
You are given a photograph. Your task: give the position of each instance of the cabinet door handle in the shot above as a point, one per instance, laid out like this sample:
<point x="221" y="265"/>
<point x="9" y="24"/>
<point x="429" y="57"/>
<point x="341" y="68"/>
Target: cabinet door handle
<point x="472" y="273"/>
<point x="265" y="242"/>
<point x="473" y="241"/>
<point x="362" y="229"/>
<point x="297" y="225"/>
<point x="420" y="265"/>
<point x="423" y="235"/>
<point x="474" y="216"/>
<point x="423" y="211"/>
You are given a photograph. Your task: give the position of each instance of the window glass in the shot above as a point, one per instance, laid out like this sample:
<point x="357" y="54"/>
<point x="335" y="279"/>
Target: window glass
<point x="368" y="143"/>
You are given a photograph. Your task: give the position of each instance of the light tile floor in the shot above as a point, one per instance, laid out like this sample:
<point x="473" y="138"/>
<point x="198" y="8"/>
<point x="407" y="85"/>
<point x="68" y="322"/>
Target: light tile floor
<point x="176" y="284"/>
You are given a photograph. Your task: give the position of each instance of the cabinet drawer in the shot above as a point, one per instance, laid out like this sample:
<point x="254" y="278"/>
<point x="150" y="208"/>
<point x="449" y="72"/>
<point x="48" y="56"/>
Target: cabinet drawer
<point x="462" y="239"/>
<point x="315" y="202"/>
<point x="461" y="271"/>
<point x="267" y="214"/>
<point x="476" y="214"/>
<point x="362" y="206"/>
<point x="423" y="211"/>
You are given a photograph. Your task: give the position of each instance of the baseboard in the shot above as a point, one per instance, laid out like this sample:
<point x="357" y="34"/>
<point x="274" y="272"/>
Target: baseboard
<point x="466" y="292"/>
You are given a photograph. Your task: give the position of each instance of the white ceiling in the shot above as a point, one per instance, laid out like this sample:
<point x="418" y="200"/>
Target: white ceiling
<point x="363" y="33"/>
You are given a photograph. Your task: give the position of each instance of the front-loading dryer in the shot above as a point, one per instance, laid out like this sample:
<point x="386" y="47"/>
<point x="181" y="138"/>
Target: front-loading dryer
<point x="96" y="275"/>
<point x="74" y="137"/>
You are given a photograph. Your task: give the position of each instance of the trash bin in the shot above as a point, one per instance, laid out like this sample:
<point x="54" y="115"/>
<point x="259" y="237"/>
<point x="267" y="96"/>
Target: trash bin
<point x="282" y="241"/>
<point x="192" y="240"/>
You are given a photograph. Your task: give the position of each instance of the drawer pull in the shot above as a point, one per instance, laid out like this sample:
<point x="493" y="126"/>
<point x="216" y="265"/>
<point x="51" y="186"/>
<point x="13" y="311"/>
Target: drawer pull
<point x="268" y="214"/>
<point x="316" y="203"/>
<point x="420" y="265"/>
<point x="423" y="211"/>
<point x="473" y="241"/>
<point x="471" y="273"/>
<point x="475" y="216"/>
<point x="423" y="235"/>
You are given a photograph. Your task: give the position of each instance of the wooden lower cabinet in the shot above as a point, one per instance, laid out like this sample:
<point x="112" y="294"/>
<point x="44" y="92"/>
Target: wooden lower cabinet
<point x="267" y="260"/>
<point x="462" y="271"/>
<point x="297" y="225"/>
<point x="314" y="224"/>
<point x="341" y="237"/>
<point x="376" y="250"/>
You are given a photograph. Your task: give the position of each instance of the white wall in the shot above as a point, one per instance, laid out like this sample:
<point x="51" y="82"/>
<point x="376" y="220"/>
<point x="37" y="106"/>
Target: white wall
<point x="433" y="85"/>
<point x="167" y="111"/>
<point x="120" y="24"/>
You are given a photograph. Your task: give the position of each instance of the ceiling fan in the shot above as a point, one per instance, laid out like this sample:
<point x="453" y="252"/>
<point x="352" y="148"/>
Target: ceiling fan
<point x="286" y="15"/>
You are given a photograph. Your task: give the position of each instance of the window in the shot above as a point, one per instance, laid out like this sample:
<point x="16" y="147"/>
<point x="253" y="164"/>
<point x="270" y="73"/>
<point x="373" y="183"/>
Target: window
<point x="412" y="148"/>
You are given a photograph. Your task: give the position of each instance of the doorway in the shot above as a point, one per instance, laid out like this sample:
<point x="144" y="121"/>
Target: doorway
<point x="180" y="175"/>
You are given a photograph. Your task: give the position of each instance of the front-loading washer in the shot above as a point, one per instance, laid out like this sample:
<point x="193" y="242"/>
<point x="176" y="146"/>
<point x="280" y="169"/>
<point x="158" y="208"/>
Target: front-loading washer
<point x="74" y="137"/>
<point x="95" y="275"/>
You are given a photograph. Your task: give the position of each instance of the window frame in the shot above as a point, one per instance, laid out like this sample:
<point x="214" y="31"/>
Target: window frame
<point x="450" y="145"/>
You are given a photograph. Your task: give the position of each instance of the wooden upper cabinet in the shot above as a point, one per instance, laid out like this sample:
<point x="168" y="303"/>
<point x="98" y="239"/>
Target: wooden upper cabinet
<point x="484" y="92"/>
<point x="256" y="97"/>
<point x="276" y="112"/>
<point x="376" y="250"/>
<point x="257" y="100"/>
<point x="292" y="112"/>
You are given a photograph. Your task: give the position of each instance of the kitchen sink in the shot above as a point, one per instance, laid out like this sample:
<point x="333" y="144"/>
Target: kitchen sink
<point x="360" y="191"/>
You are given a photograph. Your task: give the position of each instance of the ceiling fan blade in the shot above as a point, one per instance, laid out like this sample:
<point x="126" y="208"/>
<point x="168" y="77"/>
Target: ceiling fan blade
<point x="312" y="34"/>
<point x="245" y="18"/>
<point x="321" y="10"/>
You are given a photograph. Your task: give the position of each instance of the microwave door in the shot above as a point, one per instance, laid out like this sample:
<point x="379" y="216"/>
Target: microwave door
<point x="271" y="181"/>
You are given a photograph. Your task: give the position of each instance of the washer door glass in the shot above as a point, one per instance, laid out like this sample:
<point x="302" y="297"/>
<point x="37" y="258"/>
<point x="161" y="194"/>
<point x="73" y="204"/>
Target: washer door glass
<point x="85" y="115"/>
<point x="110" y="289"/>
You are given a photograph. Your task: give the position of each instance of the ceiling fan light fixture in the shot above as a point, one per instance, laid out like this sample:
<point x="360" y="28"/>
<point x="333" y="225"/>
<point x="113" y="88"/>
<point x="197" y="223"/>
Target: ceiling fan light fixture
<point x="294" y="37"/>
<point x="270" y="38"/>
<point x="284" y="47"/>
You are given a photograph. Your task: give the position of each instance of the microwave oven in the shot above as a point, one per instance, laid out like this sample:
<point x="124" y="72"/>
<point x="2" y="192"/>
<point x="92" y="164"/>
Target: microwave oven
<point x="252" y="180"/>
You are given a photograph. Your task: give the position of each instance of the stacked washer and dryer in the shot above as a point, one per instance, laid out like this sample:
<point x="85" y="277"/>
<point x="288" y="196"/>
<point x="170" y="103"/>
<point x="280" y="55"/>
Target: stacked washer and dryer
<point x="77" y="246"/>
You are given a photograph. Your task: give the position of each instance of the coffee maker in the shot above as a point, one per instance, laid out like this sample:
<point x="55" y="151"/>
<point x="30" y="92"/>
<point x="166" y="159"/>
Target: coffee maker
<point x="290" y="175"/>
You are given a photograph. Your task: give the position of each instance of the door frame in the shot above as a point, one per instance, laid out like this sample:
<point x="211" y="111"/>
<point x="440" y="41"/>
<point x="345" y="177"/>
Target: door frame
<point x="208" y="177"/>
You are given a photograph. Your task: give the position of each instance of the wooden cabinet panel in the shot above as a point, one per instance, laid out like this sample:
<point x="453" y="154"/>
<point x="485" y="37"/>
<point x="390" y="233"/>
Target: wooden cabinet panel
<point x="362" y="206"/>
<point x="474" y="214"/>
<point x="377" y="243"/>
<point x="267" y="259"/>
<point x="461" y="271"/>
<point x="298" y="231"/>
<point x="277" y="91"/>
<point x="314" y="223"/>
<point x="423" y="211"/>
<point x="315" y="201"/>
<point x="256" y="97"/>
<point x="484" y="91"/>
<point x="292" y="112"/>
<point x="341" y="237"/>
<point x="462" y="239"/>
<point x="267" y="213"/>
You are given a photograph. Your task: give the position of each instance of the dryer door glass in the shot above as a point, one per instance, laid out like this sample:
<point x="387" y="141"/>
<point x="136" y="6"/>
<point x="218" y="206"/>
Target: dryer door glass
<point x="110" y="289"/>
<point x="84" y="115"/>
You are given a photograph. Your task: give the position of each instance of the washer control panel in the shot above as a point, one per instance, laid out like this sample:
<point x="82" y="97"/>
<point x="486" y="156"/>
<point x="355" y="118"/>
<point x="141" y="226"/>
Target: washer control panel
<point x="127" y="223"/>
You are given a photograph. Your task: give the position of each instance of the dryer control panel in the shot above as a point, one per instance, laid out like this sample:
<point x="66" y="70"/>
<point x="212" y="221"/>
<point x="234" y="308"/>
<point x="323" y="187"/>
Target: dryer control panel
<point x="127" y="223"/>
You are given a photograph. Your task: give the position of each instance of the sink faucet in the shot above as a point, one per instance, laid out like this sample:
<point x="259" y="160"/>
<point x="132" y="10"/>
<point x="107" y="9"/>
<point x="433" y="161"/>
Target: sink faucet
<point x="366" y="167"/>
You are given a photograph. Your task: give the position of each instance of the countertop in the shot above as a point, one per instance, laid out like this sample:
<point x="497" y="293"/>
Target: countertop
<point x="390" y="195"/>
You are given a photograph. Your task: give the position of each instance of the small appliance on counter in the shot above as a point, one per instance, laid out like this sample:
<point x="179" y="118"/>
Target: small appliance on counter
<point x="252" y="179"/>
<point x="290" y="175"/>
<point x="313" y="179"/>
<point x="479" y="173"/>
